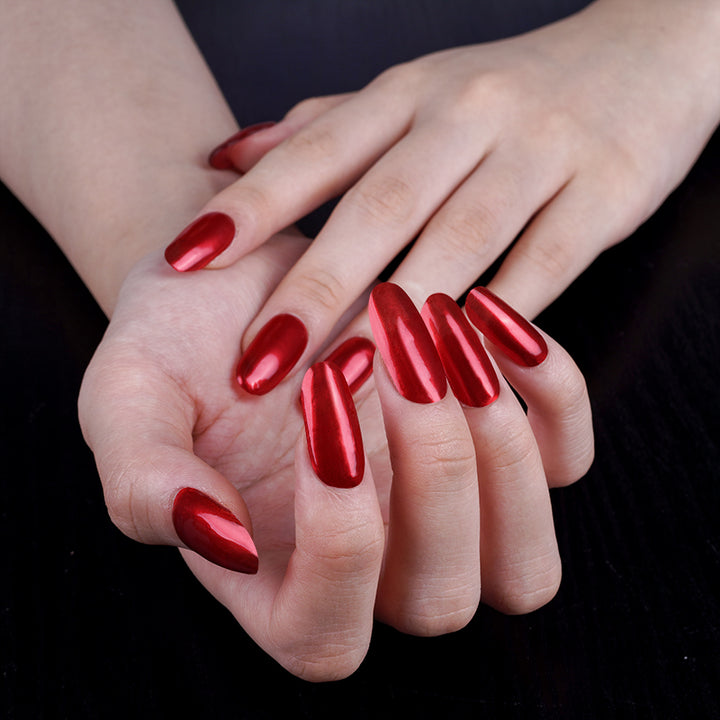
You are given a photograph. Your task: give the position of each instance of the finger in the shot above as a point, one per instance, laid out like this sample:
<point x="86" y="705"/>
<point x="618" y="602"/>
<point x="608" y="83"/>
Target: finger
<point x="157" y="491"/>
<point x="548" y="380"/>
<point x="245" y="148"/>
<point x="480" y="220"/>
<point x="561" y="242"/>
<point x="520" y="565"/>
<point x="370" y="225"/>
<point x="310" y="167"/>
<point x="431" y="577"/>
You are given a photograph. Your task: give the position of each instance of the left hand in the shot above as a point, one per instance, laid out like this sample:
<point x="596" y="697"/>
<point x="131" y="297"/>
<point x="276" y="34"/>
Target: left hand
<point x="568" y="137"/>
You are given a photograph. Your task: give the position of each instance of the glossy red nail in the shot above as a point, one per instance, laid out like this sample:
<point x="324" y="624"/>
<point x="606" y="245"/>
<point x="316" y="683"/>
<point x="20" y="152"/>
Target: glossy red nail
<point x="201" y="242"/>
<point x="220" y="157"/>
<point x="405" y="345"/>
<point x="354" y="358"/>
<point x="332" y="428"/>
<point x="468" y="368"/>
<point x="505" y="328"/>
<point x="272" y="354"/>
<point x="214" y="532"/>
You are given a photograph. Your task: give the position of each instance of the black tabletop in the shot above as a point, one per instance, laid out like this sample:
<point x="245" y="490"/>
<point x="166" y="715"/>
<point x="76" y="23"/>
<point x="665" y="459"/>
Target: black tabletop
<point x="93" y="625"/>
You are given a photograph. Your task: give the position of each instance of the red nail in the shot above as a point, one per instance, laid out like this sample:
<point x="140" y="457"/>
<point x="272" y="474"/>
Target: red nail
<point x="272" y="354"/>
<point x="505" y="328"/>
<point x="201" y="242"/>
<point x="214" y="532"/>
<point x="405" y="345"/>
<point x="467" y="365"/>
<point x="331" y="424"/>
<point x="220" y="157"/>
<point x="354" y="358"/>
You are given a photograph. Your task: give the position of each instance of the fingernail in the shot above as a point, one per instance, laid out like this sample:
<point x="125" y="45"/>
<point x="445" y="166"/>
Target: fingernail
<point x="201" y="242"/>
<point x="213" y="531"/>
<point x="405" y="345"/>
<point x="468" y="368"/>
<point x="354" y="358"/>
<point x="220" y="158"/>
<point x="332" y="428"/>
<point x="505" y="328"/>
<point x="272" y="354"/>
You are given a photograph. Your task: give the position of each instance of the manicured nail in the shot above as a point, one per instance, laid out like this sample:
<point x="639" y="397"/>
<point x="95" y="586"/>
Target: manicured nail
<point x="272" y="354"/>
<point x="201" y="242"/>
<point x="220" y="157"/>
<point x="213" y="531"/>
<point x="354" y="358"/>
<point x="505" y="328"/>
<point x="332" y="428"/>
<point x="405" y="345"/>
<point x="468" y="368"/>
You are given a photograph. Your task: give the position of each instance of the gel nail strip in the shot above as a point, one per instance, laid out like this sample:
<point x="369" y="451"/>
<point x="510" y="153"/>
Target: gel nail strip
<point x="220" y="157"/>
<point x="332" y="427"/>
<point x="272" y="354"/>
<point x="468" y="368"/>
<point x="201" y="242"/>
<point x="354" y="358"/>
<point x="214" y="532"/>
<point x="405" y="345"/>
<point x="505" y="328"/>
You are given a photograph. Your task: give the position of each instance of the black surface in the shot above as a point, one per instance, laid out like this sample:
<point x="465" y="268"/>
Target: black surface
<point x="94" y="626"/>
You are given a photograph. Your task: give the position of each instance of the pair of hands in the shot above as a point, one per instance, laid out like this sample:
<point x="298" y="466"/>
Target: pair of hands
<point x="548" y="132"/>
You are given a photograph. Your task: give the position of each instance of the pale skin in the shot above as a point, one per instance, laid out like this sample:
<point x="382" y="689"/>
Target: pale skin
<point x="114" y="181"/>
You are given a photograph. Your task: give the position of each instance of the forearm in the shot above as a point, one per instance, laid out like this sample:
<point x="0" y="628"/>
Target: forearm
<point x="107" y="109"/>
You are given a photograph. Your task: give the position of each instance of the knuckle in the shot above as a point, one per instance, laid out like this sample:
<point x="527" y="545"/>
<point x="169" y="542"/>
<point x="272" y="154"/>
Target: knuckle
<point x="531" y="586"/>
<point x="467" y="232"/>
<point x="555" y="257"/>
<point x="430" y="623"/>
<point x="321" y="287"/>
<point x="517" y="450"/>
<point x="448" y="458"/>
<point x="312" y="144"/>
<point x="384" y="200"/>
<point x="325" y="662"/>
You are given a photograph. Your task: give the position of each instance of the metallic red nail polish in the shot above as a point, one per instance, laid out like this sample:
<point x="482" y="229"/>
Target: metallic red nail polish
<point x="220" y="159"/>
<point x="332" y="428"/>
<point x="272" y="354"/>
<point x="214" y="532"/>
<point x="405" y="345"/>
<point x="468" y="368"/>
<point x="505" y="328"/>
<point x="201" y="242"/>
<point x="354" y="358"/>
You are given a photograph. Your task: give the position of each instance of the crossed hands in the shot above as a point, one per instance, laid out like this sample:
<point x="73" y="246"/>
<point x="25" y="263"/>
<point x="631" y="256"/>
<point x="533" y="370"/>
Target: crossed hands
<point x="307" y="510"/>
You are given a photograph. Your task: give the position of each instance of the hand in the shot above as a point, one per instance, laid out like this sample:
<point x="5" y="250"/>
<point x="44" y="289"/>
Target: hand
<point x="565" y="138"/>
<point x="161" y="410"/>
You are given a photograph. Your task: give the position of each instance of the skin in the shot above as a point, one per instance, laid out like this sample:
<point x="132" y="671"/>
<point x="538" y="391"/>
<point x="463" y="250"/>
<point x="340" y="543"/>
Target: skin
<point x="158" y="407"/>
<point x="556" y="144"/>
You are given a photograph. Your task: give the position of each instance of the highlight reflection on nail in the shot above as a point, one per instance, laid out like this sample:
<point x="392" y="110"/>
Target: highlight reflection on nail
<point x="201" y="242"/>
<point x="405" y="345"/>
<point x="354" y="357"/>
<point x="468" y="368"/>
<point x="505" y="328"/>
<point x="332" y="427"/>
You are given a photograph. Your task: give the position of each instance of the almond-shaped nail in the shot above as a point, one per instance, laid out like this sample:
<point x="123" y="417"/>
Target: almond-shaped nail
<point x="468" y="368"/>
<point x="354" y="357"/>
<point x="505" y="328"/>
<point x="405" y="345"/>
<point x="272" y="354"/>
<point x="212" y="531"/>
<point x="201" y="242"/>
<point x="332" y="427"/>
<point x="220" y="157"/>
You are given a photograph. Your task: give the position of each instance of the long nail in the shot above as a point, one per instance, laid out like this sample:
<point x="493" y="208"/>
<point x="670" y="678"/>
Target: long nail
<point x="331" y="424"/>
<point x="220" y="157"/>
<point x="213" y="531"/>
<point x="201" y="242"/>
<point x="468" y="368"/>
<point x="405" y="345"/>
<point x="272" y="354"/>
<point x="505" y="328"/>
<point x="354" y="358"/>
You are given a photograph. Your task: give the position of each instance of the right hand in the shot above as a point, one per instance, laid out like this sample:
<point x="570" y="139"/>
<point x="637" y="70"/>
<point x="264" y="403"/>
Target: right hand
<point x="449" y="494"/>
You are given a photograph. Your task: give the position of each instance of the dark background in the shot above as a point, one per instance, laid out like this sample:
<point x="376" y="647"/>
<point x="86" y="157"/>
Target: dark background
<point x="93" y="625"/>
